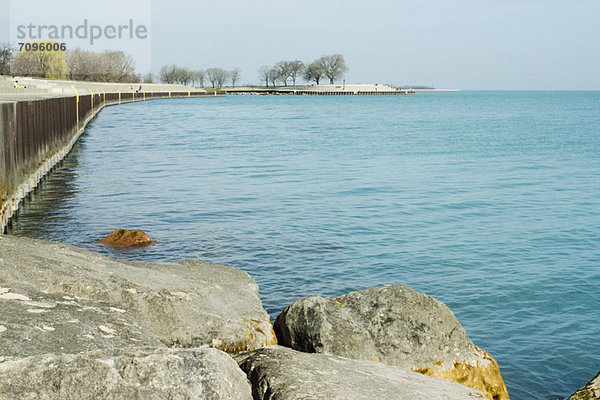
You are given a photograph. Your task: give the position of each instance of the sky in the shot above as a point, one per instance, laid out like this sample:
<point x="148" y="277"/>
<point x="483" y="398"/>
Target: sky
<point x="466" y="44"/>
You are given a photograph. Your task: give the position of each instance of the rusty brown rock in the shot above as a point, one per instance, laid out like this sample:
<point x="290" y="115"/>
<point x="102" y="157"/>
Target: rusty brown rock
<point x="128" y="238"/>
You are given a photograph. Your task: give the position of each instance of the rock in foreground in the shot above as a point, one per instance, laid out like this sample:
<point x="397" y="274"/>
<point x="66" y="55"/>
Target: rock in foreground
<point x="142" y="374"/>
<point x="69" y="300"/>
<point x="280" y="373"/>
<point x="55" y="323"/>
<point x="591" y="391"/>
<point x="395" y="325"/>
<point x="128" y="238"/>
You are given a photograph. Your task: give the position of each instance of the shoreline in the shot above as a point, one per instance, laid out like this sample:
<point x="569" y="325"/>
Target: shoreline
<point x="82" y="311"/>
<point x="27" y="154"/>
<point x="165" y="103"/>
<point x="71" y="302"/>
<point x="39" y="126"/>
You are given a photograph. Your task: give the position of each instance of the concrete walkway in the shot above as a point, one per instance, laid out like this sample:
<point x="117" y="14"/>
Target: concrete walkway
<point x="36" y="89"/>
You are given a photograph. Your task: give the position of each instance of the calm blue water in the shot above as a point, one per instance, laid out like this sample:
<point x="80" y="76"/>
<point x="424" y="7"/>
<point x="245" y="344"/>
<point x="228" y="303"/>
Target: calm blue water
<point x="489" y="201"/>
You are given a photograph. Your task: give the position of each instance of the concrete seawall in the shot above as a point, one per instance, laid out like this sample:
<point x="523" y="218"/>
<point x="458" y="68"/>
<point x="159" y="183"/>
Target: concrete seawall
<point x="36" y="134"/>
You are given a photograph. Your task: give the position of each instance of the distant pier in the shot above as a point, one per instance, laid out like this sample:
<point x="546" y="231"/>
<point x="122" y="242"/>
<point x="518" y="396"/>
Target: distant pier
<point x="323" y="90"/>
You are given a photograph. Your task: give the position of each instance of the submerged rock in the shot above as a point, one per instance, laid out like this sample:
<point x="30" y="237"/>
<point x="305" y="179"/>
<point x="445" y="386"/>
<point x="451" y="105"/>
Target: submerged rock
<point x="67" y="300"/>
<point x="141" y="374"/>
<point x="128" y="238"/>
<point x="280" y="373"/>
<point x="395" y="325"/>
<point x="591" y="391"/>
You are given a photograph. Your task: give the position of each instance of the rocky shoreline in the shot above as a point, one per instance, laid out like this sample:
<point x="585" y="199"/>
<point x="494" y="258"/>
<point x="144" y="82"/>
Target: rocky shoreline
<point x="78" y="325"/>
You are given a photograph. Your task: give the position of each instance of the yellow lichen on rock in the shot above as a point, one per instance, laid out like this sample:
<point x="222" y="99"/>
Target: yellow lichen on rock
<point x="271" y="338"/>
<point x="258" y="325"/>
<point x="260" y="334"/>
<point x="483" y="376"/>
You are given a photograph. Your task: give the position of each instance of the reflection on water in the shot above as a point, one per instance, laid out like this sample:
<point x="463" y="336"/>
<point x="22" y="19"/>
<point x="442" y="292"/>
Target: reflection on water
<point x="49" y="207"/>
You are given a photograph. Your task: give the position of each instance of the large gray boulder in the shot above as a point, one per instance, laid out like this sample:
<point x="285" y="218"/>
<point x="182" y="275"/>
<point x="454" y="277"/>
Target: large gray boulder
<point x="395" y="325"/>
<point x="137" y="374"/>
<point x="66" y="300"/>
<point x="591" y="391"/>
<point x="33" y="322"/>
<point x="280" y="373"/>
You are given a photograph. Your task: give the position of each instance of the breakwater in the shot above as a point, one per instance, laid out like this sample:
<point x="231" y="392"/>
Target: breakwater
<point x="36" y="134"/>
<point x="301" y="92"/>
<point x="108" y="329"/>
<point x="324" y="90"/>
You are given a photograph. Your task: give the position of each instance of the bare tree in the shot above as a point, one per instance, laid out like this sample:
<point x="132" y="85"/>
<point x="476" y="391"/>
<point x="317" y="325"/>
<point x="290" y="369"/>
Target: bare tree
<point x="217" y="76"/>
<point x="168" y="73"/>
<point x="27" y="66"/>
<point x="222" y="77"/>
<point x="82" y="65"/>
<point x="184" y="76"/>
<point x="198" y="77"/>
<point x="314" y="72"/>
<point x="109" y="66"/>
<point x="283" y="71"/>
<point x="120" y="67"/>
<point x="211" y="74"/>
<point x="174" y="74"/>
<point x="134" y="78"/>
<point x="296" y="68"/>
<point x="85" y="65"/>
<point x="148" y="78"/>
<point x="6" y="55"/>
<point x="234" y="75"/>
<point x="273" y="76"/>
<point x="333" y="66"/>
<point x="265" y="74"/>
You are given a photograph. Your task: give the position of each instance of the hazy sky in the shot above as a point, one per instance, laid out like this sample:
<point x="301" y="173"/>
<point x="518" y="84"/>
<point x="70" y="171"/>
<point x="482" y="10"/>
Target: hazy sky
<point x="468" y="44"/>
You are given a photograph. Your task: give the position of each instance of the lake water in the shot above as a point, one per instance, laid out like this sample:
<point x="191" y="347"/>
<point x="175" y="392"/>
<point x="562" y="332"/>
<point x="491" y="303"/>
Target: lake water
<point x="489" y="201"/>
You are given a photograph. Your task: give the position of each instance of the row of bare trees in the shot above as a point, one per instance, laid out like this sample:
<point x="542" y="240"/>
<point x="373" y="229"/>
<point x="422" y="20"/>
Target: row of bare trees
<point x="108" y="66"/>
<point x="117" y="66"/>
<point x="331" y="67"/>
<point x="184" y="76"/>
<point x="76" y="64"/>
